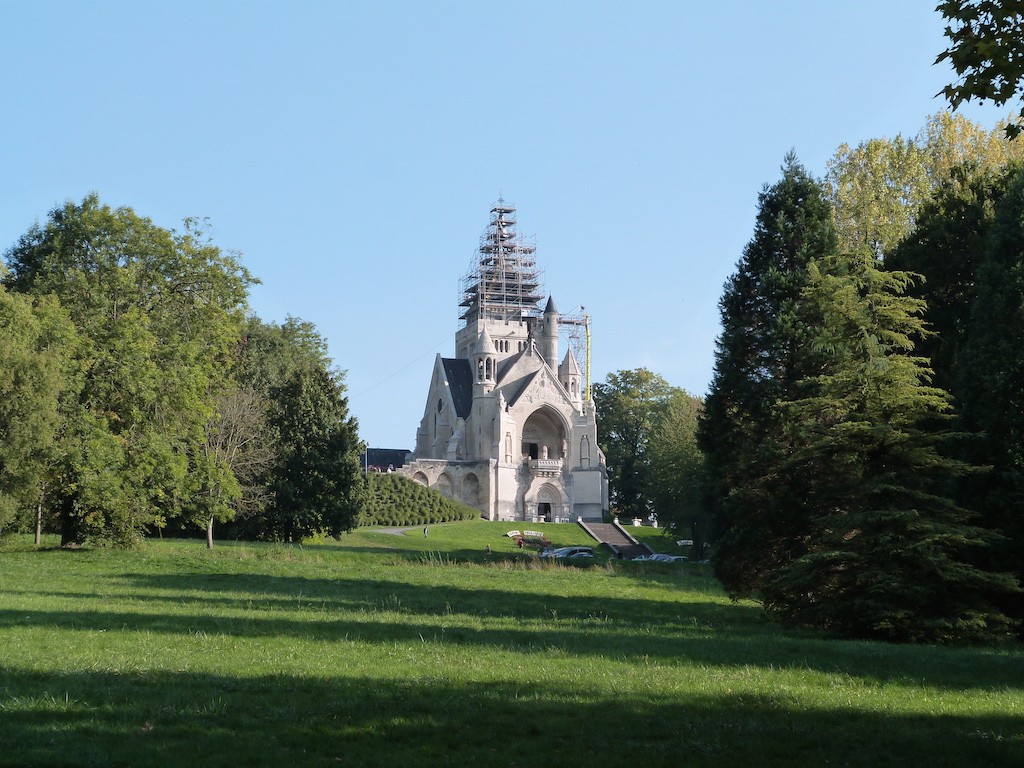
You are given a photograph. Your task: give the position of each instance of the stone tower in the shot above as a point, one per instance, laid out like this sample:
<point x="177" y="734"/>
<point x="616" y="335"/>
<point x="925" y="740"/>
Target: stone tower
<point x="506" y="427"/>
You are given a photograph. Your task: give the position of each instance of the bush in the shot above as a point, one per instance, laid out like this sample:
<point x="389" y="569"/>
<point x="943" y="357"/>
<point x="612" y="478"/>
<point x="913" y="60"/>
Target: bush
<point x="395" y="500"/>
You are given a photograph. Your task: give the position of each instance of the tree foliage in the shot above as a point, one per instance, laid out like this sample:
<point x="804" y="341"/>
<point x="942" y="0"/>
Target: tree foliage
<point x="764" y="356"/>
<point x="886" y="545"/>
<point x="991" y="377"/>
<point x="629" y="405"/>
<point x="157" y="314"/>
<point x="36" y="377"/>
<point x="877" y="189"/>
<point x="676" y="480"/>
<point x="986" y="51"/>
<point x="946" y="248"/>
<point x="238" y="452"/>
<point x="138" y="395"/>
<point x="825" y="443"/>
<point x="314" y="481"/>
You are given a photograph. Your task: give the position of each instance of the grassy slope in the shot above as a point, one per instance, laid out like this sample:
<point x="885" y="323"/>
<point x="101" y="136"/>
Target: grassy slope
<point x="405" y="650"/>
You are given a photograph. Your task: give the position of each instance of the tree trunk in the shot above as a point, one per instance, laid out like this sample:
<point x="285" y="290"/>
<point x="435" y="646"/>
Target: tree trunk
<point x="209" y="533"/>
<point x="39" y="522"/>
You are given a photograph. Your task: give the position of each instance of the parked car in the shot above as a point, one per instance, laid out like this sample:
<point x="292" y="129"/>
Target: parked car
<point x="669" y="558"/>
<point x="563" y="552"/>
<point x="581" y="554"/>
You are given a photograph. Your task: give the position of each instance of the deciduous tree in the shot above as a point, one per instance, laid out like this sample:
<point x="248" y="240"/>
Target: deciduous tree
<point x="36" y="376"/>
<point x="158" y="314"/>
<point x="877" y="189"/>
<point x="676" y="480"/>
<point x="238" y="453"/>
<point x="986" y="50"/>
<point x="629" y="405"/>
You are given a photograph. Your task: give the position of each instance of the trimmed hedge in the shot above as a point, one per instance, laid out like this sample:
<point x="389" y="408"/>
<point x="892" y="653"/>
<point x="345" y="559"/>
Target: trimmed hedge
<point x="395" y="500"/>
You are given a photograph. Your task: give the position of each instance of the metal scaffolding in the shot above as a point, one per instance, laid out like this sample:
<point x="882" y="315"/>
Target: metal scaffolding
<point x="503" y="283"/>
<point x="576" y="326"/>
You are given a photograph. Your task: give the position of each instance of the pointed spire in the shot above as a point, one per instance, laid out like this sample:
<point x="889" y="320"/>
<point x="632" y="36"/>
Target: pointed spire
<point x="550" y="306"/>
<point x="484" y="344"/>
<point x="569" y="366"/>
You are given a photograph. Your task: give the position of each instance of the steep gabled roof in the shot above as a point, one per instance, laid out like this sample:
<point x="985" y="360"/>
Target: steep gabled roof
<point x="507" y="365"/>
<point x="515" y="390"/>
<point x="459" y="374"/>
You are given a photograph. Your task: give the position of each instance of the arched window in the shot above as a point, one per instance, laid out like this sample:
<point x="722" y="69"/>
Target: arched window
<point x="471" y="490"/>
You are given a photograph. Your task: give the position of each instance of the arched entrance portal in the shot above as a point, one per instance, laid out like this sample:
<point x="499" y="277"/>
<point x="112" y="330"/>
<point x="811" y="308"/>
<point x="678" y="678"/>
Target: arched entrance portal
<point x="544" y="436"/>
<point x="548" y="504"/>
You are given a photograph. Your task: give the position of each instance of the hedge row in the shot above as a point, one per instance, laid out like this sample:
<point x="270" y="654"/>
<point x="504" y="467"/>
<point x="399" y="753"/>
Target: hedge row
<point x="395" y="500"/>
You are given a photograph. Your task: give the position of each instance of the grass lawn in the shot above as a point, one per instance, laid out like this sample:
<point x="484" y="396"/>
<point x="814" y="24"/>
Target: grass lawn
<point x="405" y="650"/>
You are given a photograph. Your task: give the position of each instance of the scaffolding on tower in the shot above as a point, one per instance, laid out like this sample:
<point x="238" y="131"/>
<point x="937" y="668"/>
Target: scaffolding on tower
<point x="503" y="283"/>
<point x="576" y="326"/>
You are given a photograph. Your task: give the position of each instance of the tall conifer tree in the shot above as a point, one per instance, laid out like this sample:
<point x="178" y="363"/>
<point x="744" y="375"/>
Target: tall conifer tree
<point x="887" y="549"/>
<point x="992" y="376"/>
<point x="763" y="357"/>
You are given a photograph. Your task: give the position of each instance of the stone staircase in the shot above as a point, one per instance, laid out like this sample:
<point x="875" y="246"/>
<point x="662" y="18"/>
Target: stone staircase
<point x="617" y="538"/>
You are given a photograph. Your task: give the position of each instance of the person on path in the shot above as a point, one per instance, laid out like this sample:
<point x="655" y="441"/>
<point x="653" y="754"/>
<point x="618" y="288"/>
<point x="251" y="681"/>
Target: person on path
<point x="424" y="531"/>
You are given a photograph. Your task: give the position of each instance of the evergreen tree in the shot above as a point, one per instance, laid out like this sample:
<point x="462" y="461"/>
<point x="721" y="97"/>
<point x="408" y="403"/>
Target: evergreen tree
<point x="886" y="548"/>
<point x="764" y="356"/>
<point x="992" y="377"/>
<point x="313" y="482"/>
<point x="317" y="483"/>
<point x="946" y="248"/>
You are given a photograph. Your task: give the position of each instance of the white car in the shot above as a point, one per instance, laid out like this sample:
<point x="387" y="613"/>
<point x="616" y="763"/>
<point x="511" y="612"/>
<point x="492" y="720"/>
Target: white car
<point x="669" y="558"/>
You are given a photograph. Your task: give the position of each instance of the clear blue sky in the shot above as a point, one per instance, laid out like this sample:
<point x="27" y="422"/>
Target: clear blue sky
<point x="351" y="150"/>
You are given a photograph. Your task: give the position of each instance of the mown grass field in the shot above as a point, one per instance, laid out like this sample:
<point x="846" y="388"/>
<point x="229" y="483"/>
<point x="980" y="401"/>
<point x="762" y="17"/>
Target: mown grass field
<point x="384" y="650"/>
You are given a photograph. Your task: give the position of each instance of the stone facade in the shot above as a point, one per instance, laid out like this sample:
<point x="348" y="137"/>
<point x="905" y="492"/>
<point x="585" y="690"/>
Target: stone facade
<point x="508" y="428"/>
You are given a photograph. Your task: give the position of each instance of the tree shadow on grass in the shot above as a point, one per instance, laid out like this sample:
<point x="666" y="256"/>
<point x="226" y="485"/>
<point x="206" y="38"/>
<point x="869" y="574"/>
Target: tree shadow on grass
<point x="184" y="719"/>
<point x="384" y="612"/>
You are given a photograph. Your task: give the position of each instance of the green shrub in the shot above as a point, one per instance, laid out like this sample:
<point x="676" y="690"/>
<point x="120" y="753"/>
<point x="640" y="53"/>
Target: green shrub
<point x="395" y="500"/>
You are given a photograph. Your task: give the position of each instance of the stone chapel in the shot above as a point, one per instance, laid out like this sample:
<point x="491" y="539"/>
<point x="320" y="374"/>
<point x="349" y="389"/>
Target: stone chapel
<point x="508" y="427"/>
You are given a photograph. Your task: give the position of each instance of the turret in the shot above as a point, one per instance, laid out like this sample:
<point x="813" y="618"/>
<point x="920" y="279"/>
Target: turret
<point x="569" y="376"/>
<point x="485" y="361"/>
<point x="549" y="335"/>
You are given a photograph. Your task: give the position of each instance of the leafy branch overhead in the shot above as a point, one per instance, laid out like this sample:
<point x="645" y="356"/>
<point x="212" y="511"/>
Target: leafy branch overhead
<point x="986" y="51"/>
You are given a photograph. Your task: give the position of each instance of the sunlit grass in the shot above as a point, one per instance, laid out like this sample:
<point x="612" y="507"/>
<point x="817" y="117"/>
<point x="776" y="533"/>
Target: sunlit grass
<point x="390" y="649"/>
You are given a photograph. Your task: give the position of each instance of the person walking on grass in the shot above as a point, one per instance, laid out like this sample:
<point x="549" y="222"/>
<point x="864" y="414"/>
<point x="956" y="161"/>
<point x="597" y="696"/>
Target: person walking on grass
<point x="424" y="531"/>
